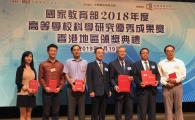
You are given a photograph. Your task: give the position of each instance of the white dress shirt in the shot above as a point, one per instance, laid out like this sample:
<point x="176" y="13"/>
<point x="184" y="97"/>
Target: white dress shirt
<point x="98" y="62"/>
<point x="120" y="61"/>
<point x="144" y="64"/>
<point x="167" y="67"/>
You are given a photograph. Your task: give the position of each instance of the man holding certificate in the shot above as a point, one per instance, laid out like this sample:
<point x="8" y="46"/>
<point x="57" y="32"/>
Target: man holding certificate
<point x="173" y="72"/>
<point x="51" y="78"/>
<point x="121" y="76"/>
<point x="146" y="79"/>
<point x="75" y="72"/>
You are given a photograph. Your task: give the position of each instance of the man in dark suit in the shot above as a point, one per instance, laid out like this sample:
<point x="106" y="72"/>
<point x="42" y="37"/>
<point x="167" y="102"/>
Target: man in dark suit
<point x="146" y="94"/>
<point x="98" y="84"/>
<point x="123" y="100"/>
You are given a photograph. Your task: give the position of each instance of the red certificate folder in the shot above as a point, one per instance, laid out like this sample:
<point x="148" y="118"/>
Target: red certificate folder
<point x="173" y="75"/>
<point x="33" y="85"/>
<point x="52" y="84"/>
<point x="79" y="86"/>
<point x="124" y="83"/>
<point x="152" y="79"/>
<point x="148" y="78"/>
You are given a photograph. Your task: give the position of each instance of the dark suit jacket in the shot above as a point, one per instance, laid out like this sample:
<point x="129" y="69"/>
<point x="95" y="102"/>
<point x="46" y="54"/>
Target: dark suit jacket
<point x="96" y="81"/>
<point x="138" y="68"/>
<point x="115" y="70"/>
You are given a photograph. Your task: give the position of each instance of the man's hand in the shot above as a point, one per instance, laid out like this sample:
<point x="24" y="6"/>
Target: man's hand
<point x="109" y="93"/>
<point x="83" y="88"/>
<point x="156" y="84"/>
<point x="116" y="88"/>
<point x="47" y="89"/>
<point x="73" y="88"/>
<point x="170" y="85"/>
<point x="92" y="94"/>
<point x="57" y="90"/>
<point x="172" y="81"/>
<point x="72" y="85"/>
<point x="143" y="85"/>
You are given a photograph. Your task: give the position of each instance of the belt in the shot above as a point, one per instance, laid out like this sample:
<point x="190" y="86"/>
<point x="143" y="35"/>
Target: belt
<point x="176" y="84"/>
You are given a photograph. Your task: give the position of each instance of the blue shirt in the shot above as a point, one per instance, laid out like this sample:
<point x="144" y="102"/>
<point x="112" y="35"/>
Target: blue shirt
<point x="75" y="69"/>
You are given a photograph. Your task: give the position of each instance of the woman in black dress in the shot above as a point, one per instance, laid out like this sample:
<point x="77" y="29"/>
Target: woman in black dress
<point x="26" y="99"/>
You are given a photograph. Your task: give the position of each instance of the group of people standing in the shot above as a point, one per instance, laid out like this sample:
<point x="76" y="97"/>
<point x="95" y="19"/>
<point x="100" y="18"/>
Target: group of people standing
<point x="101" y="80"/>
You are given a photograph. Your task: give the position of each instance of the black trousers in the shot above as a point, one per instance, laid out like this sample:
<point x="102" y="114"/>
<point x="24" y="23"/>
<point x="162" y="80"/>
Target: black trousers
<point x="74" y="99"/>
<point x="51" y="103"/>
<point x="125" y="103"/>
<point x="98" y="107"/>
<point x="146" y="105"/>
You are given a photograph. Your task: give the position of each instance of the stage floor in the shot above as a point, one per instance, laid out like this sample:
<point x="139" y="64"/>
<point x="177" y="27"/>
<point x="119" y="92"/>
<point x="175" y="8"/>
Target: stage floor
<point x="187" y="116"/>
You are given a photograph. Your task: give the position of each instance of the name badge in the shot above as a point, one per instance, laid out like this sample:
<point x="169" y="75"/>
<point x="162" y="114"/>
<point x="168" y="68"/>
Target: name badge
<point x="128" y="68"/>
<point x="153" y="67"/>
<point x="106" y="69"/>
<point x="53" y="69"/>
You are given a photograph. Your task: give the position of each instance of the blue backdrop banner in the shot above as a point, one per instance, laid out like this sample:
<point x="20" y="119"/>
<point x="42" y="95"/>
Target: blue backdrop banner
<point x="33" y="24"/>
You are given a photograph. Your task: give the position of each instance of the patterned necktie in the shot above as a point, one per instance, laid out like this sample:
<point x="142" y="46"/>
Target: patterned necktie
<point x="146" y="65"/>
<point x="101" y="67"/>
<point x="123" y="66"/>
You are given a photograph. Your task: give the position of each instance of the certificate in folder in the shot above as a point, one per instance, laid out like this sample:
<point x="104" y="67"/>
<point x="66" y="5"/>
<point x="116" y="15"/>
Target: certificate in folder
<point x="124" y="83"/>
<point x="33" y="85"/>
<point x="173" y="75"/>
<point x="79" y="86"/>
<point x="52" y="84"/>
<point x="148" y="78"/>
<point x="152" y="80"/>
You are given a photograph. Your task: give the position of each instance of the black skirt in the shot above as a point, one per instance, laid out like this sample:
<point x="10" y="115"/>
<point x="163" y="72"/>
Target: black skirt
<point x="26" y="101"/>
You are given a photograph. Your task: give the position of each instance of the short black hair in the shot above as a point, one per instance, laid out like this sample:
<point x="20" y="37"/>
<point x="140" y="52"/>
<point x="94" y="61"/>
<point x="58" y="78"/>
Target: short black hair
<point x="95" y="50"/>
<point x="50" y="46"/>
<point x="75" y="46"/>
<point x="143" y="49"/>
<point x="169" y="46"/>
